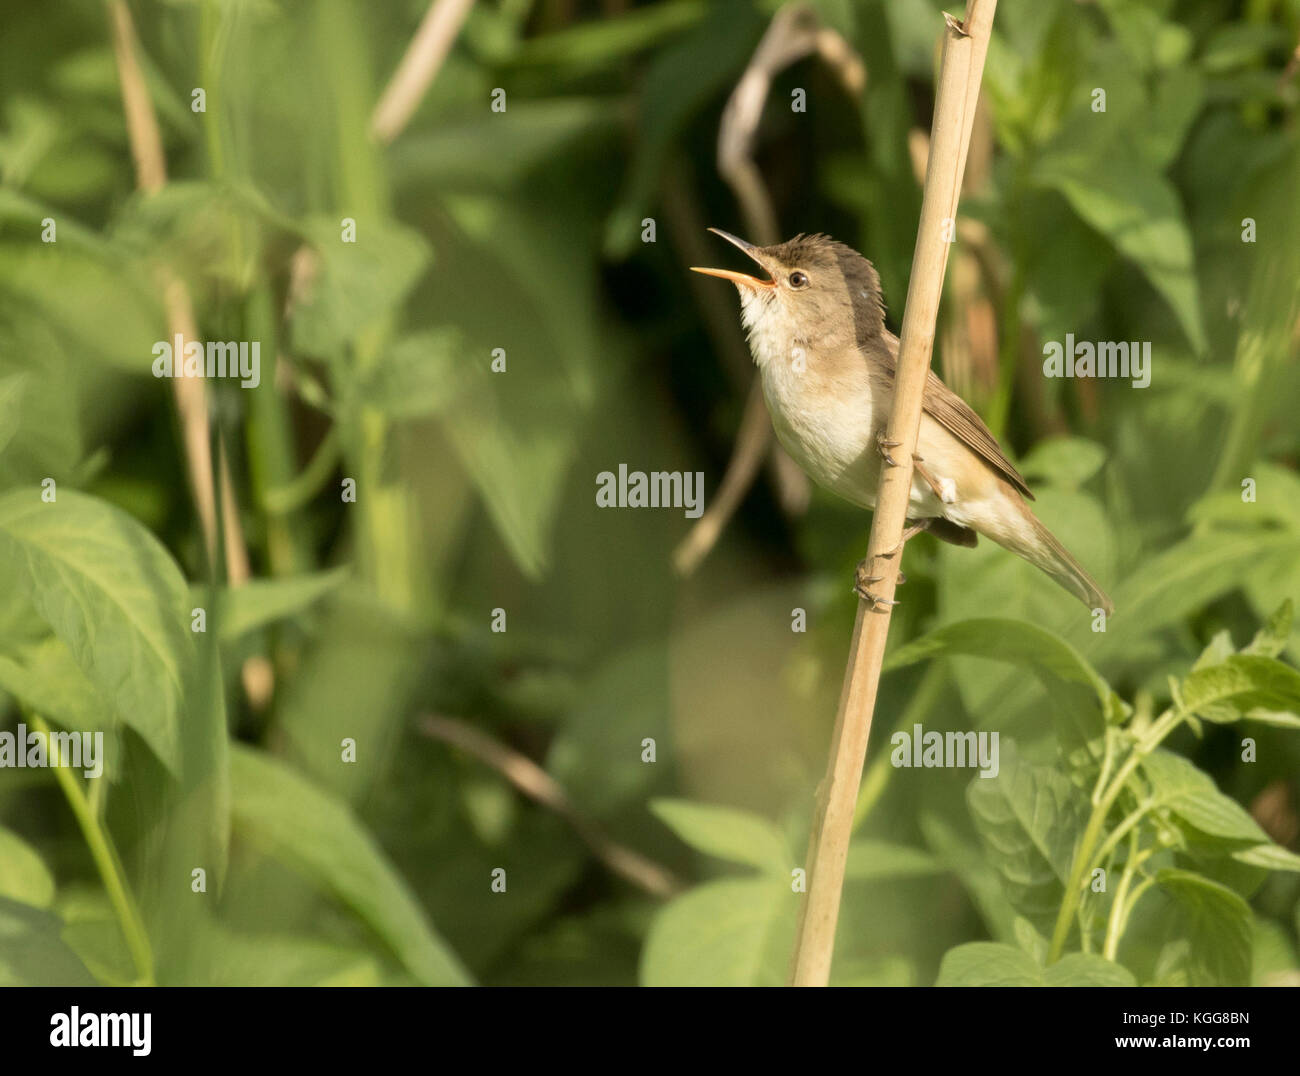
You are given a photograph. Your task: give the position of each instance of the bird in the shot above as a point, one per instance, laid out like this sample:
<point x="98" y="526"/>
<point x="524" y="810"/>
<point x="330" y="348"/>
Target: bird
<point x="816" y="330"/>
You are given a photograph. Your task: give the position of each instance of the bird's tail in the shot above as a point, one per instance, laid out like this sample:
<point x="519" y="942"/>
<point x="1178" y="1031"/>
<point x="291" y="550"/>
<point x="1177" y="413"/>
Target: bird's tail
<point x="1042" y="549"/>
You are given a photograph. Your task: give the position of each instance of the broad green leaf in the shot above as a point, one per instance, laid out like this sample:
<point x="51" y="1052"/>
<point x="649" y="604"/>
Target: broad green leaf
<point x="1005" y="640"/>
<point x="1127" y="200"/>
<point x="1056" y="663"/>
<point x="1087" y="969"/>
<point x="870" y="860"/>
<point x="260" y="602"/>
<point x="24" y="877"/>
<point x="357" y="282"/>
<point x="988" y="964"/>
<point x="1028" y="818"/>
<point x="11" y="399"/>
<point x="1217" y="926"/>
<point x="1240" y="685"/>
<point x="113" y="594"/>
<point x="1178" y="785"/>
<point x="1270" y="856"/>
<point x="275" y="807"/>
<point x="31" y="951"/>
<point x="421" y="375"/>
<point x="1064" y="461"/>
<point x="726" y="833"/>
<point x="716" y="935"/>
<point x="1191" y="573"/>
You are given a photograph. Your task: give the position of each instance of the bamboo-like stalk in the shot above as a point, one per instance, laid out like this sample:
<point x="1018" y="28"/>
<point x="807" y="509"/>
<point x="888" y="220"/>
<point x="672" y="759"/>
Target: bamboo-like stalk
<point x="962" y="65"/>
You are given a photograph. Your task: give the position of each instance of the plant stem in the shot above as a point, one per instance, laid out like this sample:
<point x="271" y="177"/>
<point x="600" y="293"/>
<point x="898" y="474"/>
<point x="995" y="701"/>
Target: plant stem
<point x="108" y="865"/>
<point x="1085" y="855"/>
<point x="954" y="112"/>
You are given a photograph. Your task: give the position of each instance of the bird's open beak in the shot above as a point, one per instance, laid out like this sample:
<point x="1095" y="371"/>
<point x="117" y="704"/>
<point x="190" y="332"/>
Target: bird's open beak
<point x="730" y="274"/>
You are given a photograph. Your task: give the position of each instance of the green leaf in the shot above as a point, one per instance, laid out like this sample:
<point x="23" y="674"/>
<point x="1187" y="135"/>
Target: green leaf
<point x="260" y="602"/>
<point x="1178" y="785"/>
<point x="1127" y="200"/>
<point x="113" y="594"/>
<point x="726" y="833"/>
<point x="1269" y="856"/>
<point x="1028" y="818"/>
<point x="322" y="838"/>
<point x="1273" y="637"/>
<point x="1087" y="969"/>
<point x="871" y="860"/>
<point x="1056" y="663"/>
<point x="24" y="877"/>
<point x="11" y="399"/>
<point x="988" y="964"/>
<point x="1064" y="461"/>
<point x="1005" y="640"/>
<point x="1240" y="685"/>
<point x="421" y="375"/>
<point x="31" y="951"/>
<point x="717" y="935"/>
<point x="1217" y="926"/>
<point x="996" y="964"/>
<point x="357" y="283"/>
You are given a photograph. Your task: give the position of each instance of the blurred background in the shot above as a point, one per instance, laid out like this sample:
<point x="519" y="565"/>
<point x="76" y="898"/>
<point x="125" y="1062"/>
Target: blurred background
<point x="399" y="547"/>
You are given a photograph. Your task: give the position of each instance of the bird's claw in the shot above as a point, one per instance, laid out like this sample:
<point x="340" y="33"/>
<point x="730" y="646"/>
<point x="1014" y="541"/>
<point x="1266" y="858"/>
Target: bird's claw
<point x="884" y="446"/>
<point x="861" y="584"/>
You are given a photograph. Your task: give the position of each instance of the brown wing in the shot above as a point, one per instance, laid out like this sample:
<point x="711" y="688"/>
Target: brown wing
<point x="956" y="416"/>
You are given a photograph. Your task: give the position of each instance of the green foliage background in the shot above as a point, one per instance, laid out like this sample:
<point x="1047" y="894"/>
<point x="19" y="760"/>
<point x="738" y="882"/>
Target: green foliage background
<point x="522" y="230"/>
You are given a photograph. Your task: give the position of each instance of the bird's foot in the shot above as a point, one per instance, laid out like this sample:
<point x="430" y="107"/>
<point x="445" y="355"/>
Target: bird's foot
<point x="863" y="582"/>
<point x="909" y="533"/>
<point x="883" y="446"/>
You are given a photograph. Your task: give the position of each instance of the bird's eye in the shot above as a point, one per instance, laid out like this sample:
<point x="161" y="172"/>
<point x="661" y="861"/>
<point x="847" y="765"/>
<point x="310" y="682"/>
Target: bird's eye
<point x="798" y="280"/>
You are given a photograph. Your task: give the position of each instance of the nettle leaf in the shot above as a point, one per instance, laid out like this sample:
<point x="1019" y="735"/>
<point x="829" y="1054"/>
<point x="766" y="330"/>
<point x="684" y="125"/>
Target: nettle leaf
<point x="1273" y="637"/>
<point x="260" y="602"/>
<point x="1243" y="685"/>
<point x="1126" y="199"/>
<point x="726" y="833"/>
<point x="719" y="934"/>
<point x="319" y="835"/>
<point x="421" y="375"/>
<point x="1217" y="926"/>
<point x="1087" y="969"/>
<point x="24" y="877"/>
<point x="356" y="283"/>
<point x="1028" y="818"/>
<point x="32" y="953"/>
<point x="1022" y="643"/>
<point x="113" y="594"/>
<point x="995" y="964"/>
<point x="1176" y="784"/>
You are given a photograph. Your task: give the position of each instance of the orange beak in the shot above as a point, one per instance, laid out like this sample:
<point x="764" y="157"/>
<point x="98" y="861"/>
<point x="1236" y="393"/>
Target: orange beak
<point x="730" y="274"/>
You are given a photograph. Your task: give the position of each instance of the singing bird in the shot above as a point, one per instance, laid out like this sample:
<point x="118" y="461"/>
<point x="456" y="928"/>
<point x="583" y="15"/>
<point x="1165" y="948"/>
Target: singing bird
<point x="817" y="333"/>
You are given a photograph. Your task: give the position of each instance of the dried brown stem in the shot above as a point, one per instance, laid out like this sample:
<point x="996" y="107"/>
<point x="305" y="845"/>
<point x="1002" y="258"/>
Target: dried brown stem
<point x="420" y="65"/>
<point x="191" y="392"/>
<point x="539" y="786"/>
<point x="958" y="89"/>
<point x="793" y="34"/>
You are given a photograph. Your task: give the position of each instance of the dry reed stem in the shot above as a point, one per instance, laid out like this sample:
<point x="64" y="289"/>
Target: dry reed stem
<point x="794" y="33"/>
<point x="954" y="111"/>
<point x="539" y="786"/>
